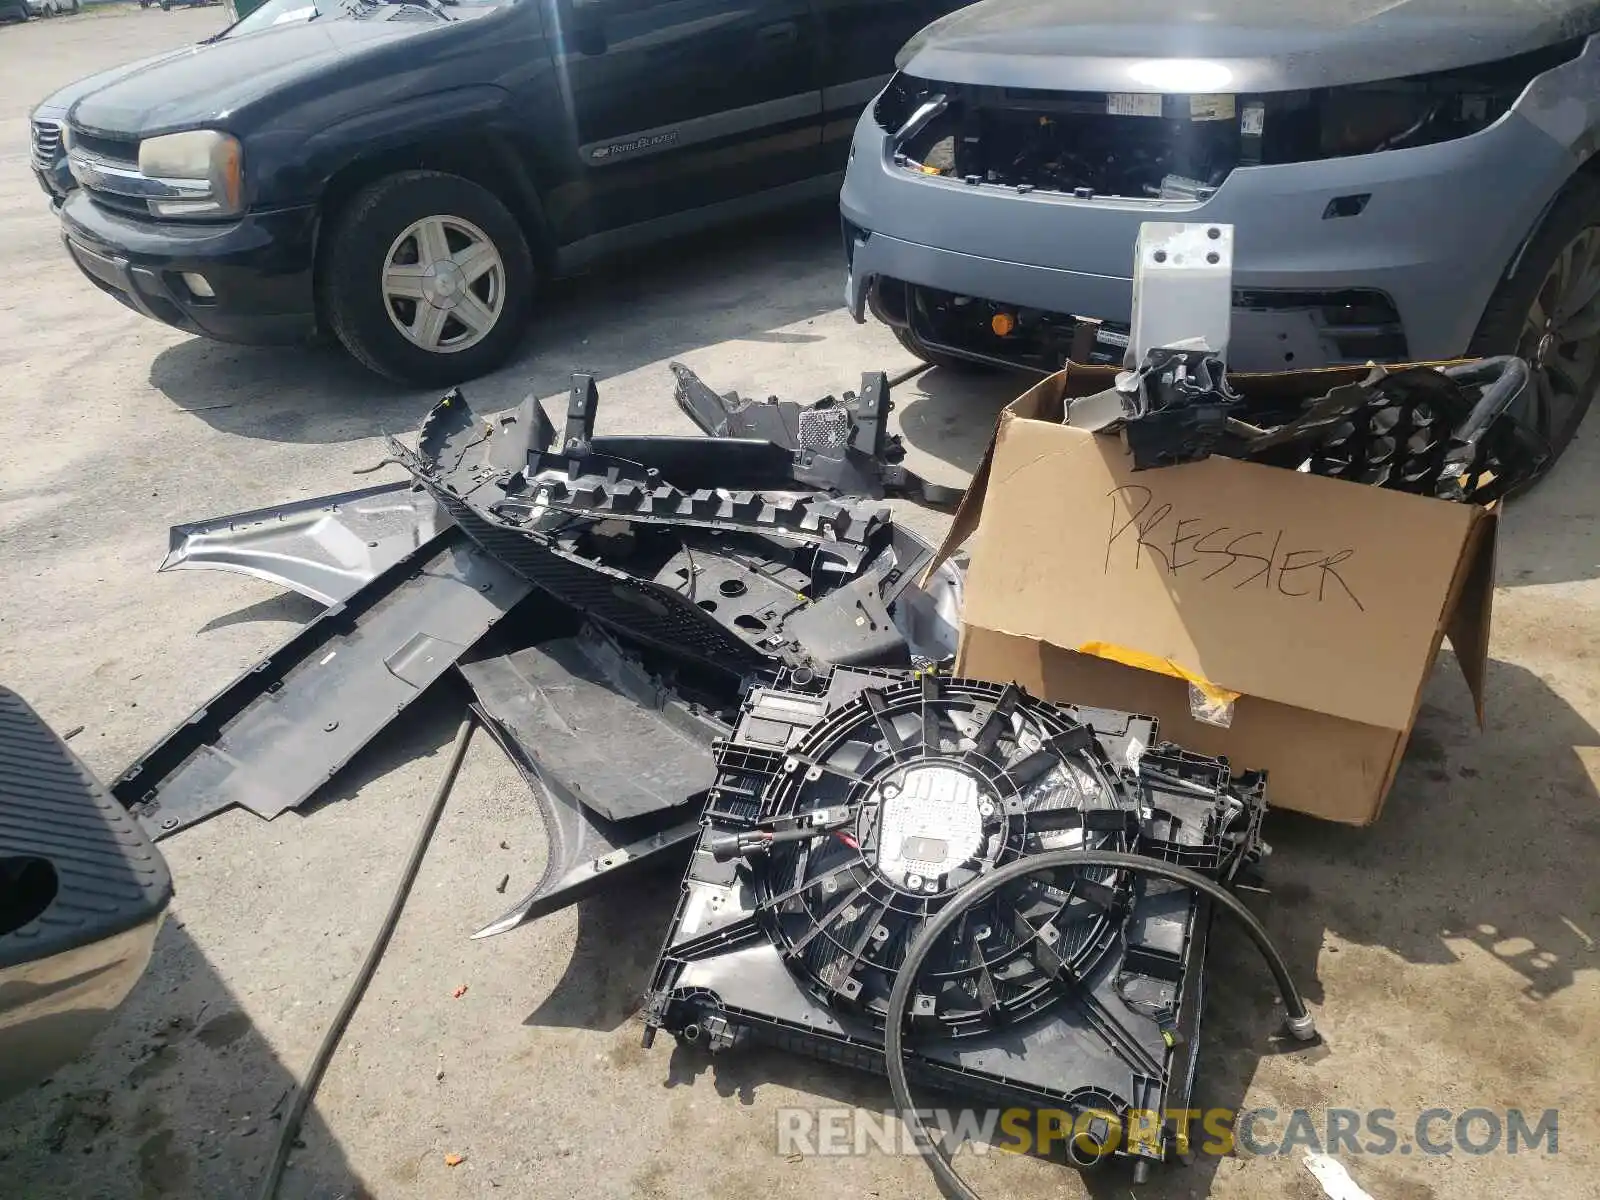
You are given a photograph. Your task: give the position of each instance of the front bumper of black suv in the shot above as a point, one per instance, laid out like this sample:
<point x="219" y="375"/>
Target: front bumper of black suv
<point x="258" y="269"/>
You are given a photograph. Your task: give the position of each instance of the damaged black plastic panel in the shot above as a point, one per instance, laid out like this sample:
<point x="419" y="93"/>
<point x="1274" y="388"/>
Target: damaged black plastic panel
<point x="618" y="759"/>
<point x="713" y="574"/>
<point x="275" y="735"/>
<point x="586" y="852"/>
<point x="850" y="806"/>
<point x="1449" y="432"/>
<point x="841" y="446"/>
<point x="651" y="547"/>
<point x="623" y="744"/>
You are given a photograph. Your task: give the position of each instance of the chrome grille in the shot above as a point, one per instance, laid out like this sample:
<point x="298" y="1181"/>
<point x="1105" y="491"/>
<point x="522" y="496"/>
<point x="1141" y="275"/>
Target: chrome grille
<point x="118" y="184"/>
<point x="46" y="143"/>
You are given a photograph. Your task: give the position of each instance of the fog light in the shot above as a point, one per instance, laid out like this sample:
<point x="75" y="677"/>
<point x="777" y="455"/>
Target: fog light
<point x="197" y="284"/>
<point x="1002" y="323"/>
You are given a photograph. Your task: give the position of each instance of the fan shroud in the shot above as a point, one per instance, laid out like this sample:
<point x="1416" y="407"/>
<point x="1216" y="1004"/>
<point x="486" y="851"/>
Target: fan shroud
<point x="932" y="783"/>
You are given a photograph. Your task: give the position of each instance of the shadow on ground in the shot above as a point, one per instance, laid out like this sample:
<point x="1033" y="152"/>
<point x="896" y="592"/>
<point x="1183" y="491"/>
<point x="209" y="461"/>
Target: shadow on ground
<point x="286" y="606"/>
<point x="743" y="282"/>
<point x="950" y="415"/>
<point x="1489" y="838"/>
<point x="615" y="953"/>
<point x="1552" y="535"/>
<point x="179" y="1096"/>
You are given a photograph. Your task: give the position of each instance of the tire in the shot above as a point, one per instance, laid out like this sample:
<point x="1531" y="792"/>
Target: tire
<point x="1555" y="403"/>
<point x="384" y="239"/>
<point x="914" y="346"/>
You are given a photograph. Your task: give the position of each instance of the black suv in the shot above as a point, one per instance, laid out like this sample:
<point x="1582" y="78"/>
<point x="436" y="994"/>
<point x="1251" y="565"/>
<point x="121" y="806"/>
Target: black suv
<point x="402" y="174"/>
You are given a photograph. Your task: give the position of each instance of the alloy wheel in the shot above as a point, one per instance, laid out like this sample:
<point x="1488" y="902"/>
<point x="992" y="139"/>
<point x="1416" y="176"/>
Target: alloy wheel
<point x="444" y="284"/>
<point x="1561" y="342"/>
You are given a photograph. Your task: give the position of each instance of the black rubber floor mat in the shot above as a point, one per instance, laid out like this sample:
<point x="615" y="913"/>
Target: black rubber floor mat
<point x="75" y="868"/>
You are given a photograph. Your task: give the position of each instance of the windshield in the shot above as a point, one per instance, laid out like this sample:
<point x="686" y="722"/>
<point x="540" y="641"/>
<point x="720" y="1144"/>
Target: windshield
<point x="294" y="12"/>
<point x="280" y="12"/>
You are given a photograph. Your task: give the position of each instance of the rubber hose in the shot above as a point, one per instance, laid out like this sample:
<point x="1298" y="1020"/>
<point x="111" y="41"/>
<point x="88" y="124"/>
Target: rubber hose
<point x="1503" y="380"/>
<point x="939" y="1159"/>
<point x="358" y="986"/>
<point x="900" y="377"/>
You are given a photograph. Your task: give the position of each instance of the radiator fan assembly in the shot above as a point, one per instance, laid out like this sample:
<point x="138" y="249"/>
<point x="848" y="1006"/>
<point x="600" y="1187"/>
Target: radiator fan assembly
<point x="851" y="808"/>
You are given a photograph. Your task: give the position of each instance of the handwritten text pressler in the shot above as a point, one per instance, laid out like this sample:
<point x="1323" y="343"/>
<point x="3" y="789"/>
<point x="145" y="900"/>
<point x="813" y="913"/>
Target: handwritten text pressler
<point x="1235" y="556"/>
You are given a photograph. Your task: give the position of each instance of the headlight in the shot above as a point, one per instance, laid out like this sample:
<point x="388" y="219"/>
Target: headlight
<point x="205" y="171"/>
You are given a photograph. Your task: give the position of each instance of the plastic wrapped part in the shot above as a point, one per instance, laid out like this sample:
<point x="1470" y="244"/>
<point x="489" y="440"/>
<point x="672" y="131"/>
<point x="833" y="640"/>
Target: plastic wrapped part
<point x="1210" y="709"/>
<point x="1182" y="287"/>
<point x="850" y="806"/>
<point x="1186" y="402"/>
<point x="1173" y="409"/>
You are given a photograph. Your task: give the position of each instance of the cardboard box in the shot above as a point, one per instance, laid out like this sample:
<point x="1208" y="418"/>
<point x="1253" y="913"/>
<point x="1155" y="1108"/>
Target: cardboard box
<point x="1321" y="603"/>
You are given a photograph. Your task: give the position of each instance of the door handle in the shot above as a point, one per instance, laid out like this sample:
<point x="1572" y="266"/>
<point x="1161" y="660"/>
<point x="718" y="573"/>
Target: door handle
<point x="780" y="34"/>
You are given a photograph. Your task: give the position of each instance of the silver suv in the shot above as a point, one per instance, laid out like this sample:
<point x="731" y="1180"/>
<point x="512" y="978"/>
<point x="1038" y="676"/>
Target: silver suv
<point x="1407" y="180"/>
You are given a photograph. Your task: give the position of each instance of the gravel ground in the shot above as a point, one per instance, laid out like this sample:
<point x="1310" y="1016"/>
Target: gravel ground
<point x="1450" y="950"/>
